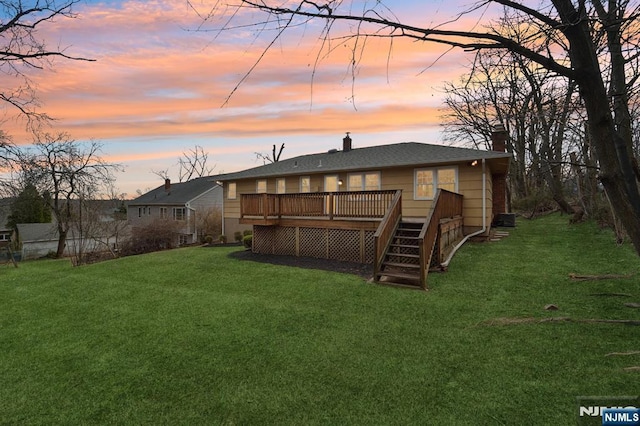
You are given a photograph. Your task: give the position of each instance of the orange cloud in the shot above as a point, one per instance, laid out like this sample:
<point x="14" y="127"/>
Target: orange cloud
<point x="153" y="80"/>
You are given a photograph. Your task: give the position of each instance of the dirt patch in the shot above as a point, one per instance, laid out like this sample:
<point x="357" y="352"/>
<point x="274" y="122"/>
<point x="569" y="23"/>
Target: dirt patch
<point x="361" y="269"/>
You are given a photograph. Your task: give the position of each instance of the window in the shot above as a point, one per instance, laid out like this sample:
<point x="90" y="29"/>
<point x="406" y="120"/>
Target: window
<point x="183" y="239"/>
<point x="231" y="191"/>
<point x="179" y="213"/>
<point x="331" y="183"/>
<point x="363" y="181"/>
<point x="281" y="186"/>
<point x="163" y="212"/>
<point x="143" y="211"/>
<point x="261" y="186"/>
<point x="447" y="179"/>
<point x="427" y="180"/>
<point x="305" y="184"/>
<point x="4" y="237"/>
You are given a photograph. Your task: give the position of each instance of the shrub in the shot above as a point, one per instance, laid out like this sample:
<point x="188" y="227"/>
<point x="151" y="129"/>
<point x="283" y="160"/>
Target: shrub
<point x="247" y="232"/>
<point x="223" y="239"/>
<point x="247" y="240"/>
<point x="208" y="239"/>
<point x="237" y="236"/>
<point x="159" y="235"/>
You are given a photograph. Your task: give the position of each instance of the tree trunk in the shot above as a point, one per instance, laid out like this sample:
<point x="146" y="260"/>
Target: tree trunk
<point x="62" y="241"/>
<point x="616" y="167"/>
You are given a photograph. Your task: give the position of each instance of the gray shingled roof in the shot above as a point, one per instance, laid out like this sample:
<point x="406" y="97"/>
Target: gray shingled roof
<point x="30" y="232"/>
<point x="375" y="157"/>
<point x="178" y="194"/>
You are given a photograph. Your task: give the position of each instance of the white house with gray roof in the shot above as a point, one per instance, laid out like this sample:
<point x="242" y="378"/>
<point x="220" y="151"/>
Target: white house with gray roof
<point x="181" y="203"/>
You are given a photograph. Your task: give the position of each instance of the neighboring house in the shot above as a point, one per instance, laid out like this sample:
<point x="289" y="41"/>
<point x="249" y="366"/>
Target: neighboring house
<point x="182" y="203"/>
<point x="36" y="240"/>
<point x="5" y="212"/>
<point x="356" y="204"/>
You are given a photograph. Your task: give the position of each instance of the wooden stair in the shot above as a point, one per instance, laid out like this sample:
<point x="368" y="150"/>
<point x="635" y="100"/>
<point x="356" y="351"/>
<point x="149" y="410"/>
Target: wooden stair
<point x="401" y="264"/>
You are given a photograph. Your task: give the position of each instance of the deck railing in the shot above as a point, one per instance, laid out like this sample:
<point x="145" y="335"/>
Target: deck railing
<point x="331" y="205"/>
<point x="386" y="231"/>
<point x="446" y="204"/>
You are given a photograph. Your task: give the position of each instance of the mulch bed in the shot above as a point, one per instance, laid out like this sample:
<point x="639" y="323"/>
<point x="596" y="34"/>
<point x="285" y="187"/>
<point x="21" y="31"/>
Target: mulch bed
<point x="363" y="270"/>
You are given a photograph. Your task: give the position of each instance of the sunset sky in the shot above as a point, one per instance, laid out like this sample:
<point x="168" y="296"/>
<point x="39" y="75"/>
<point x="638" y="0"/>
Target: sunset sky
<point x="158" y="88"/>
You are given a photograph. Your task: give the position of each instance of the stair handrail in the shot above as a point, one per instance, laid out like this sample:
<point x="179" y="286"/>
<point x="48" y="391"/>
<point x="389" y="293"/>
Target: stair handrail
<point x="386" y="229"/>
<point x="445" y="204"/>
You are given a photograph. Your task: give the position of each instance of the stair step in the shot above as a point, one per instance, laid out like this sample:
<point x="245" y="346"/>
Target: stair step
<point x="401" y="265"/>
<point x="411" y="225"/>
<point x="404" y="245"/>
<point x="402" y="275"/>
<point x="418" y="230"/>
<point x="407" y="255"/>
<point x="406" y="237"/>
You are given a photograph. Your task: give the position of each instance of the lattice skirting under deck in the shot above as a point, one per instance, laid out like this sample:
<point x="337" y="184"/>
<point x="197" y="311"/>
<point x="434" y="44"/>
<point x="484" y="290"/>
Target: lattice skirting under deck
<point x="353" y="245"/>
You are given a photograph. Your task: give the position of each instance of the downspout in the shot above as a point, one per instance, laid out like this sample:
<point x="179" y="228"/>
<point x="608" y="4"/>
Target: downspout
<point x="195" y="225"/>
<point x="220" y="184"/>
<point x="484" y="217"/>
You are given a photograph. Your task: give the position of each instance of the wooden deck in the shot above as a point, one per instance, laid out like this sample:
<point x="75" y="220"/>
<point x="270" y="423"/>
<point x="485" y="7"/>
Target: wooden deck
<point x="271" y="209"/>
<point x="358" y="226"/>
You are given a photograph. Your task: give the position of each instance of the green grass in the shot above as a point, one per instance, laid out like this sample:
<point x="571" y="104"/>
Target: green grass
<point x="191" y="336"/>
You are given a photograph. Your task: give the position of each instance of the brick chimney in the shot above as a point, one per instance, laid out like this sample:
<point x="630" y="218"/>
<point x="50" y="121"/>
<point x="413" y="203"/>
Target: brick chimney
<point x="346" y="143"/>
<point x="499" y="138"/>
<point x="167" y="184"/>
<point x="499" y="181"/>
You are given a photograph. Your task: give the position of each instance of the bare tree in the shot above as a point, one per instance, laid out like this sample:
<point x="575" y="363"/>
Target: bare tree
<point x="65" y="170"/>
<point x="564" y="37"/>
<point x="273" y="158"/>
<point x="536" y="106"/>
<point x="22" y="49"/>
<point x="193" y="163"/>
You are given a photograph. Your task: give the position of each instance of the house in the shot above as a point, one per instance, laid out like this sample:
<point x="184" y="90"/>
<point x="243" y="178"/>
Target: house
<point x="183" y="203"/>
<point x="5" y="231"/>
<point x="402" y="207"/>
<point x="5" y="212"/>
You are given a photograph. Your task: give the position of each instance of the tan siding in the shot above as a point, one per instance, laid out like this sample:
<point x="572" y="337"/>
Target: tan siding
<point x="469" y="185"/>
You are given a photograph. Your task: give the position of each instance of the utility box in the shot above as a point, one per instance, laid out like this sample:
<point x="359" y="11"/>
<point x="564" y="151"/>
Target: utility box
<point x="507" y="220"/>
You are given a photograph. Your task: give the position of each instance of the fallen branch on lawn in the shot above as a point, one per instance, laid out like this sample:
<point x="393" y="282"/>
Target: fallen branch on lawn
<point x="611" y="294"/>
<point x="580" y="277"/>
<point x="623" y="353"/>
<point x="531" y="320"/>
<point x="632" y="369"/>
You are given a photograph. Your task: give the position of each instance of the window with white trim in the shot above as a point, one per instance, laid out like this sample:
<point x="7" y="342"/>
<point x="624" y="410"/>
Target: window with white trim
<point x="163" y="212"/>
<point x="231" y="191"/>
<point x="305" y="184"/>
<point x="281" y="186"/>
<point x="261" y="186"/>
<point x="369" y="181"/>
<point x="179" y="213"/>
<point x="426" y="181"/>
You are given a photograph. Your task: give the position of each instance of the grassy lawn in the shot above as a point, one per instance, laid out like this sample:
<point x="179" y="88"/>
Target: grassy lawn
<point x="191" y="336"/>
